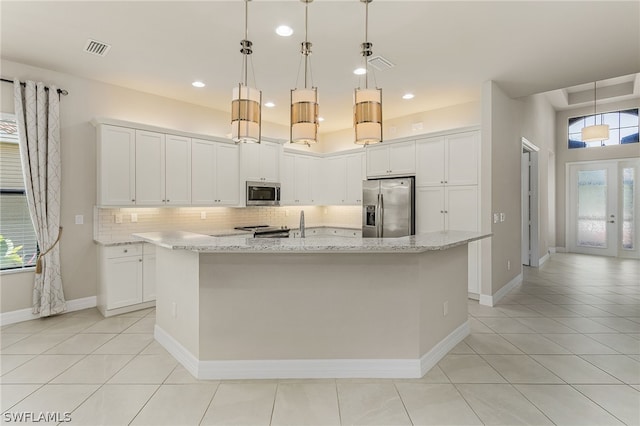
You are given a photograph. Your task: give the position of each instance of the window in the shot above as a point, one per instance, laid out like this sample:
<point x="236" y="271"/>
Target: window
<point x="623" y="128"/>
<point x="18" y="245"/>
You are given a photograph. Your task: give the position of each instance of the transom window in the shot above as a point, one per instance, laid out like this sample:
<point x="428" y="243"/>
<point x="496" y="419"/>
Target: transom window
<point x="18" y="244"/>
<point x="623" y="128"/>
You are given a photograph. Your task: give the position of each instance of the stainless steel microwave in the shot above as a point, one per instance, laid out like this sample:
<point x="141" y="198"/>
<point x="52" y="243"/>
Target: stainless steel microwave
<point x="263" y="194"/>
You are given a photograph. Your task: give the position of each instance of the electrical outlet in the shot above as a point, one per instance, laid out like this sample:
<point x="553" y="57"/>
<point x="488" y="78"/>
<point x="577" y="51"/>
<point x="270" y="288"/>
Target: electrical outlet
<point x="502" y="217"/>
<point x="79" y="219"/>
<point x="445" y="308"/>
<point x="508" y="265"/>
<point x="286" y="212"/>
<point x="134" y="217"/>
<point x="495" y="218"/>
<point x="203" y="215"/>
<point x="118" y="217"/>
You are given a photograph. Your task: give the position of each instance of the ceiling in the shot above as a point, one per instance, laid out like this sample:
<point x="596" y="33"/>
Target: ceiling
<point x="442" y="50"/>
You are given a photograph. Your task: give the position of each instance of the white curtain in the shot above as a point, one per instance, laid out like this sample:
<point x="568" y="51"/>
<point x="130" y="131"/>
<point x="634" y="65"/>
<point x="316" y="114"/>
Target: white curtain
<point x="38" y="117"/>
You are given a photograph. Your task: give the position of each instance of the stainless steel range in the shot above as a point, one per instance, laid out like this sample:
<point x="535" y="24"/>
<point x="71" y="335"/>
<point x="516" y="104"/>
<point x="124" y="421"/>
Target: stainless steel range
<point x="266" y="231"/>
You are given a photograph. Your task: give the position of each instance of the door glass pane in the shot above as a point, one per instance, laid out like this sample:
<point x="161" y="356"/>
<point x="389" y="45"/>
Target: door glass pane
<point x="592" y="208"/>
<point x="628" y="181"/>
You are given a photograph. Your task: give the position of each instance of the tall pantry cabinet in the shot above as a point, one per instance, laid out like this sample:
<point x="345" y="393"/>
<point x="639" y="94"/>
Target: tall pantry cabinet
<point x="447" y="190"/>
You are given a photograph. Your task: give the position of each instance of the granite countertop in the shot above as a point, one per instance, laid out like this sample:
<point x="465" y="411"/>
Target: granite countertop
<point x="179" y="240"/>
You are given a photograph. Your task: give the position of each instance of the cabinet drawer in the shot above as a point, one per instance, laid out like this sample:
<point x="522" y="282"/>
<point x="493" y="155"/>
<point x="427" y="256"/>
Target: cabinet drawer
<point x="123" y="251"/>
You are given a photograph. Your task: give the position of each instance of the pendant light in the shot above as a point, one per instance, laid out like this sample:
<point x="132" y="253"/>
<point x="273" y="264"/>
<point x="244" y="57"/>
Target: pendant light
<point x="246" y="101"/>
<point x="596" y="132"/>
<point x="304" y="102"/>
<point x="367" y="111"/>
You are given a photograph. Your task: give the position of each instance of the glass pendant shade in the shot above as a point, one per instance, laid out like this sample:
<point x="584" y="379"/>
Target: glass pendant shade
<point x="595" y="133"/>
<point x="304" y="116"/>
<point x="245" y="114"/>
<point x="367" y="116"/>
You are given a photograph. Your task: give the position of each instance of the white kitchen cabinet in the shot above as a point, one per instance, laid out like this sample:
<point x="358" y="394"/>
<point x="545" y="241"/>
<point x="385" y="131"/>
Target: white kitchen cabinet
<point x="177" y="178"/>
<point x="343" y="179"/>
<point x="150" y="188"/>
<point x="335" y="172"/>
<point x="116" y="168"/>
<point x="391" y="159"/>
<point x="443" y="208"/>
<point x="148" y="272"/>
<point x="354" y="175"/>
<point x="215" y="173"/>
<point x="300" y="180"/>
<point x="163" y="169"/>
<point x="448" y="160"/>
<point x="126" y="283"/>
<point x="260" y="162"/>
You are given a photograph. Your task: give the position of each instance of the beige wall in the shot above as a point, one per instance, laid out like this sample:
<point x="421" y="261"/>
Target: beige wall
<point x="88" y="99"/>
<point x="502" y="125"/>
<point x="538" y="126"/>
<point x="453" y="117"/>
<point x="565" y="155"/>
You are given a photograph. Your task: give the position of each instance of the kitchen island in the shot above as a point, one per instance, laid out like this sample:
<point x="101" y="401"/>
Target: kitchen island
<point x="237" y="307"/>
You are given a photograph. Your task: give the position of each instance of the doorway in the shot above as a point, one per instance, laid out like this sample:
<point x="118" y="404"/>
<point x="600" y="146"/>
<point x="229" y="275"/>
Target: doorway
<point x="529" y="194"/>
<point x="602" y="216"/>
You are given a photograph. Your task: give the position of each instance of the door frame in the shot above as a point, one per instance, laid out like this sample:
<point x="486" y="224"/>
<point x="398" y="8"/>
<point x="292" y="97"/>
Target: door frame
<point x="529" y="222"/>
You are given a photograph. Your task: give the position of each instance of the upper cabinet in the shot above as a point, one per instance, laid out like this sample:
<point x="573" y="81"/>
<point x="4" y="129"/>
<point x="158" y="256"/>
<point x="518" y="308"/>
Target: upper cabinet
<point x="299" y="180"/>
<point x="343" y="179"/>
<point x="163" y="169"/>
<point x="116" y="168"/>
<point x="391" y="159"/>
<point x="260" y="162"/>
<point x="214" y="173"/>
<point x="448" y="160"/>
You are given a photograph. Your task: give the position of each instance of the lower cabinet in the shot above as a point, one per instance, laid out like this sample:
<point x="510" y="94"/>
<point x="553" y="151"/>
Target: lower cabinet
<point x="440" y="208"/>
<point x="126" y="278"/>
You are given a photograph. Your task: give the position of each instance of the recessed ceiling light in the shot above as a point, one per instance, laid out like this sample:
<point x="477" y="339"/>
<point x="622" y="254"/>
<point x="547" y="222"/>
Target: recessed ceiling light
<point x="320" y="119"/>
<point x="360" y="71"/>
<point x="284" y="31"/>
<point x="198" y="84"/>
<point x="269" y="104"/>
<point x="408" y="96"/>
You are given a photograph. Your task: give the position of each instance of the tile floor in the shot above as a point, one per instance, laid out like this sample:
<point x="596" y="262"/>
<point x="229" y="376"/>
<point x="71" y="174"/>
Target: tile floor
<point x="562" y="348"/>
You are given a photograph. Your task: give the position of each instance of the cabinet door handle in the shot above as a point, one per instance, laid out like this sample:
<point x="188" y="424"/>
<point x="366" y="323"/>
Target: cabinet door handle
<point x="133" y="200"/>
<point x="126" y="251"/>
<point x="139" y="260"/>
<point x="441" y="211"/>
<point x="446" y="211"/>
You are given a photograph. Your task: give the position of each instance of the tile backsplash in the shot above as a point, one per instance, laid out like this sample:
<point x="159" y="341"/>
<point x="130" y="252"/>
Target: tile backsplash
<point x="216" y="219"/>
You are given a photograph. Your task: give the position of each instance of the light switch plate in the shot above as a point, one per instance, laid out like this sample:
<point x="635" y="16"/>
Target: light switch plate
<point x="118" y="217"/>
<point x="496" y="218"/>
<point x="79" y="219"/>
<point x="502" y="217"/>
<point x="203" y="215"/>
<point x="134" y="217"/>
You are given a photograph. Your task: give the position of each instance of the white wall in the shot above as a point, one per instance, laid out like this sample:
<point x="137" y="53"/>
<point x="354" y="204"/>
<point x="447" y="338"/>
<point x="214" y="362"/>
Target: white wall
<point x="501" y="136"/>
<point x="565" y="155"/>
<point x="538" y="126"/>
<point x="453" y="117"/>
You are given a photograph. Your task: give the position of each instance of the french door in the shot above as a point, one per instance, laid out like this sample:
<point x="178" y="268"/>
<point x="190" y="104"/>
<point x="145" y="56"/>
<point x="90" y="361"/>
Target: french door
<point x="602" y="208"/>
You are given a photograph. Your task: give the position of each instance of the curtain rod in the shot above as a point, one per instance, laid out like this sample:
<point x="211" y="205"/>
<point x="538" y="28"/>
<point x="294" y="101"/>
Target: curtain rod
<point x="62" y="92"/>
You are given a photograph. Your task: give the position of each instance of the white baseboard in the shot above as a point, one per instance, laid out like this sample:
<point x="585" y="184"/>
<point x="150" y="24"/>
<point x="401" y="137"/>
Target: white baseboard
<point x="311" y="368"/>
<point x="21" y="315"/>
<point x="431" y="358"/>
<point x="543" y="259"/>
<point x="493" y="300"/>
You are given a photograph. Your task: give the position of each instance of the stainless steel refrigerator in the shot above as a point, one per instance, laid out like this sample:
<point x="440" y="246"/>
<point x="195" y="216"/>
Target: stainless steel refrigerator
<point x="388" y="207"/>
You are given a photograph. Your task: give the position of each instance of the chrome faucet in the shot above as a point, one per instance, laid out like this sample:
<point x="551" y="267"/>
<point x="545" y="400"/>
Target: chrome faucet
<point x="301" y="223"/>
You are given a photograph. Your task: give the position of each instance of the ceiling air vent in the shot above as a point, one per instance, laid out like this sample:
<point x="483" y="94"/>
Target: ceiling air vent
<point x="380" y="63"/>
<point x="96" y="47"/>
